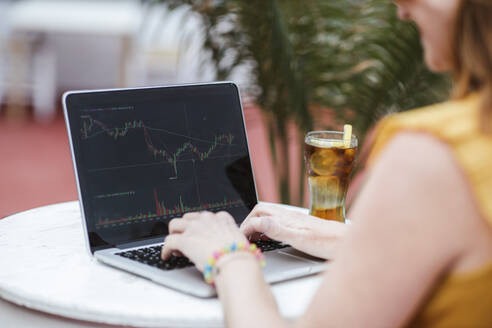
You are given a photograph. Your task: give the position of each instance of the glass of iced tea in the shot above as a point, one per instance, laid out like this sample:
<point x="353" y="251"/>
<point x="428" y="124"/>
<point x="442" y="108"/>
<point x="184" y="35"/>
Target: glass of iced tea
<point x="329" y="162"/>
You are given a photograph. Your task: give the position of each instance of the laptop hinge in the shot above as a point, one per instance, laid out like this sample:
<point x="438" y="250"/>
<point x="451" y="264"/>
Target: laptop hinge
<point x="141" y="243"/>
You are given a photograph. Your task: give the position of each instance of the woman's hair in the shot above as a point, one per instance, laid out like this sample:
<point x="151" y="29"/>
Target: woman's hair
<point x="472" y="55"/>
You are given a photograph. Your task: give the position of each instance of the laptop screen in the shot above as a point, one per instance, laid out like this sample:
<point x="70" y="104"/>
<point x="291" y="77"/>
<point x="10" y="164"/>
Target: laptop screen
<point x="145" y="156"/>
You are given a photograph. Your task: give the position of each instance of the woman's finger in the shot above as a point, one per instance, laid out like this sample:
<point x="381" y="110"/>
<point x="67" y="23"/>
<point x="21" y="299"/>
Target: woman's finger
<point x="177" y="226"/>
<point x="171" y="243"/>
<point x="177" y="253"/>
<point x="265" y="210"/>
<point x="191" y="216"/>
<point x="256" y="224"/>
<point x="262" y="210"/>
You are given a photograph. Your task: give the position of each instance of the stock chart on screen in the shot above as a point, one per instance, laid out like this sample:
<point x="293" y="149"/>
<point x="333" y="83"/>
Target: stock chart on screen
<point x="150" y="160"/>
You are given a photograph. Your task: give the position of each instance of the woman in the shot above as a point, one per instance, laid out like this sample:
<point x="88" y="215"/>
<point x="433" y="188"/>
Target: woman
<point x="419" y="252"/>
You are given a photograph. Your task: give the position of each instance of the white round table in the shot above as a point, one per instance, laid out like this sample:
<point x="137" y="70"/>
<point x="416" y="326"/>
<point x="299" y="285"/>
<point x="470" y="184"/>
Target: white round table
<point x="45" y="267"/>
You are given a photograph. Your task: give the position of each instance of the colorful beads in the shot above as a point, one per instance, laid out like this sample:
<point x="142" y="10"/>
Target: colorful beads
<point x="208" y="271"/>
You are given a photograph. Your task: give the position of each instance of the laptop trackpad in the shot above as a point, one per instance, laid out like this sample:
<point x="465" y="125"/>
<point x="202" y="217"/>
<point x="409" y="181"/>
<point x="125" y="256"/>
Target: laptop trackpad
<point x="307" y="257"/>
<point x="282" y="265"/>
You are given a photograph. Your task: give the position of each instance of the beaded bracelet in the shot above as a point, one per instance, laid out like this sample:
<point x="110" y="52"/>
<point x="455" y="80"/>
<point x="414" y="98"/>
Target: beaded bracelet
<point x="208" y="272"/>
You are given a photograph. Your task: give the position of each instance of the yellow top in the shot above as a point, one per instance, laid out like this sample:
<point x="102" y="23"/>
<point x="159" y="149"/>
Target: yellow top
<point x="463" y="300"/>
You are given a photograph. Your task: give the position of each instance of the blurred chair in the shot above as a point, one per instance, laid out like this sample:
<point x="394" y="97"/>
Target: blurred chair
<point x="170" y="47"/>
<point x="4" y="5"/>
<point x="155" y="61"/>
<point x="50" y="38"/>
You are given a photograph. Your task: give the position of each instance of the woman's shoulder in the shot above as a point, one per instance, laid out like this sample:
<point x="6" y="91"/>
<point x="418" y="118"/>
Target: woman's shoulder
<point x="436" y="114"/>
<point x="434" y="182"/>
<point x="455" y="126"/>
<point x="451" y="121"/>
<point x="420" y="157"/>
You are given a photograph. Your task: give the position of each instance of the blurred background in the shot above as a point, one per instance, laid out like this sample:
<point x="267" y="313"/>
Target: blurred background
<point x="301" y="65"/>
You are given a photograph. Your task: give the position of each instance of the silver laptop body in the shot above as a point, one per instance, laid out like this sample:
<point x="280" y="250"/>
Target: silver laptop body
<point x="134" y="148"/>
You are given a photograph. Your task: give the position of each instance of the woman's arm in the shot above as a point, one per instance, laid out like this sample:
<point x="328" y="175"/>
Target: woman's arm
<point x="245" y="296"/>
<point x="416" y="205"/>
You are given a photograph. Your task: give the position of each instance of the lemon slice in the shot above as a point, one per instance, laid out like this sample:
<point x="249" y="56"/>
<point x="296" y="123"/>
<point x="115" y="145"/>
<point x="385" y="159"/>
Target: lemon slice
<point x="323" y="162"/>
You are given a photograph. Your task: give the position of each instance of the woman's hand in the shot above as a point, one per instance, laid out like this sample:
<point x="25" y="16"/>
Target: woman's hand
<point x="306" y="233"/>
<point x="197" y="235"/>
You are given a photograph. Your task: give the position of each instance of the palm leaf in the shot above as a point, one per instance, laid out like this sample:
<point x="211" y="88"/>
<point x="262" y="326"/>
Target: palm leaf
<point x="335" y="54"/>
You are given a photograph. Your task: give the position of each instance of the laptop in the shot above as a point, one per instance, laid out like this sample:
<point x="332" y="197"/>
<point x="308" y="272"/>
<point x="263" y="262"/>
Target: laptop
<point x="144" y="156"/>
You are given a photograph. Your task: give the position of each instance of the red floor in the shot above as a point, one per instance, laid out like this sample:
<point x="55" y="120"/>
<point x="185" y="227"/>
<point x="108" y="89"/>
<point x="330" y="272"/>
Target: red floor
<point x="36" y="168"/>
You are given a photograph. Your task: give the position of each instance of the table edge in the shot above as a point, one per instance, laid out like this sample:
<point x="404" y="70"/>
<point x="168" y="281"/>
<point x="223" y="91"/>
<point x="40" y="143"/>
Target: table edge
<point x="34" y="303"/>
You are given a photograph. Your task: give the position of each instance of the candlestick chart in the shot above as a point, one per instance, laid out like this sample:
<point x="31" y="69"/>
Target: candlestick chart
<point x="145" y="169"/>
<point x="92" y="128"/>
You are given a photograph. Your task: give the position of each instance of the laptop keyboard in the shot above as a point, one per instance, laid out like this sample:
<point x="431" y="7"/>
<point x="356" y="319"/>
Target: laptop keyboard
<point x="152" y="255"/>
<point x="269" y="245"/>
